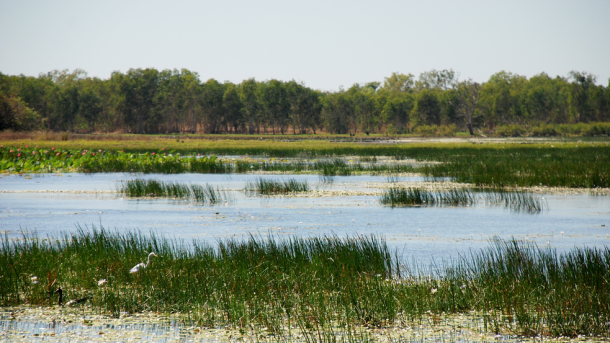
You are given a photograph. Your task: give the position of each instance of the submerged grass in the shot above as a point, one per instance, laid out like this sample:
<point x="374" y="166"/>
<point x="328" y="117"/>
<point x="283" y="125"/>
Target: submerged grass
<point x="317" y="284"/>
<point x="268" y="187"/>
<point x="514" y="200"/>
<point x="154" y="188"/>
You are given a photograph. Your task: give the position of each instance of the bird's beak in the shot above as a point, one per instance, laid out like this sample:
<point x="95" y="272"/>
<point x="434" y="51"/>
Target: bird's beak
<point x="156" y="255"/>
<point x="57" y="291"/>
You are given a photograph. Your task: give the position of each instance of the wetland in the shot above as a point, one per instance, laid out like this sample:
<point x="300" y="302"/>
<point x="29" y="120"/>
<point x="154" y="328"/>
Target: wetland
<point x="304" y="248"/>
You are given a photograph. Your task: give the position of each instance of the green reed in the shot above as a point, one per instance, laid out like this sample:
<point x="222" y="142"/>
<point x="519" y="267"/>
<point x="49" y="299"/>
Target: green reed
<point x="516" y="201"/>
<point x="318" y="284"/>
<point x="154" y="188"/>
<point x="399" y="196"/>
<point x="513" y="200"/>
<point x="268" y="186"/>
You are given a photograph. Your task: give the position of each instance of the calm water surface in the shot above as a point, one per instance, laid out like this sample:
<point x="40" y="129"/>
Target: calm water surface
<point x="423" y="234"/>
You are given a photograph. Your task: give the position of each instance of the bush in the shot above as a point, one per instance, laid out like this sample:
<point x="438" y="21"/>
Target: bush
<point x="543" y="130"/>
<point x="510" y="130"/>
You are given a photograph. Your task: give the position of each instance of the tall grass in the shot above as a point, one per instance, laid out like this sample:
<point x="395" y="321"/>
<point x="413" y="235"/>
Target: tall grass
<point x="268" y="186"/>
<point x="154" y="188"/>
<point x="398" y="196"/>
<point x="515" y="201"/>
<point x="319" y="283"/>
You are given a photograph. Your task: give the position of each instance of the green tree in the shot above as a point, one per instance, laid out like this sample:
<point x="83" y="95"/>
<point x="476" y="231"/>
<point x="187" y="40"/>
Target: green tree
<point x="427" y="109"/>
<point x="247" y="95"/>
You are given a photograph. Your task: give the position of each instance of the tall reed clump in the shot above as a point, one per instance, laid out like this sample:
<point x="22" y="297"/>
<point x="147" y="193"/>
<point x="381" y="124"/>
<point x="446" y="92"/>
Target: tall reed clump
<point x="321" y="284"/>
<point x="258" y="281"/>
<point x="399" y="196"/>
<point x="268" y="187"/>
<point x="514" y="200"/>
<point x="536" y="291"/>
<point x="154" y="188"/>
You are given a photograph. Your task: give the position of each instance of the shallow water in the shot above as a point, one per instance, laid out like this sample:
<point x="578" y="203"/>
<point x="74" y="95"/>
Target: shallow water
<point x="423" y="234"/>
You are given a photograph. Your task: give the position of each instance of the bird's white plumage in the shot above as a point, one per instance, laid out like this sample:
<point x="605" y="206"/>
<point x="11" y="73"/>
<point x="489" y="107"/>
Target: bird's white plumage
<point x="142" y="265"/>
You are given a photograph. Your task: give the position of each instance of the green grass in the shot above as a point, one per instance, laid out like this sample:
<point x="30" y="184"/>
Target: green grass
<point x="268" y="187"/>
<point x="498" y="165"/>
<point x="514" y="200"/>
<point x="398" y="196"/>
<point x="317" y="283"/>
<point x="154" y="188"/>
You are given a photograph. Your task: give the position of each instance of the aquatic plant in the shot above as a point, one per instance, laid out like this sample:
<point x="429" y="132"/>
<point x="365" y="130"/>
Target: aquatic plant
<point x="400" y="196"/>
<point x="516" y="200"/>
<point x="154" y="188"/>
<point x="317" y="283"/>
<point x="268" y="186"/>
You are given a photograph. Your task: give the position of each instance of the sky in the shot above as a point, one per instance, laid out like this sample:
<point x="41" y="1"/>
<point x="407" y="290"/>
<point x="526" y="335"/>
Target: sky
<point x="324" y="44"/>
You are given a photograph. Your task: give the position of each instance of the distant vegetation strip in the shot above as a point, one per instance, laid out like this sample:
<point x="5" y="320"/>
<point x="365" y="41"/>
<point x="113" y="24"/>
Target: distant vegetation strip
<point x="318" y="284"/>
<point x="578" y="164"/>
<point x="178" y="101"/>
<point x="153" y="188"/>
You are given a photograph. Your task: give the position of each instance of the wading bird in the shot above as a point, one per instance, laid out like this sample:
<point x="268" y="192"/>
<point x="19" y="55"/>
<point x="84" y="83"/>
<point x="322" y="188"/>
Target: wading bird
<point x="139" y="266"/>
<point x="71" y="302"/>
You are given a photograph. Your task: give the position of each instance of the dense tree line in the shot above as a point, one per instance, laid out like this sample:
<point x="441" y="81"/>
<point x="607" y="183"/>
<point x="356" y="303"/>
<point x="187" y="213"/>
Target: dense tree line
<point x="173" y="101"/>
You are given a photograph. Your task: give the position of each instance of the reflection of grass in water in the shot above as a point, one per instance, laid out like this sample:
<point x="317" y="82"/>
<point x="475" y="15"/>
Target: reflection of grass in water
<point x="515" y="201"/>
<point x="155" y="188"/>
<point x="317" y="284"/>
<point x="266" y="186"/>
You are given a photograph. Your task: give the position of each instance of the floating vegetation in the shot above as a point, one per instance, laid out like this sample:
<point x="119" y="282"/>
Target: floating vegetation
<point x="574" y="165"/>
<point x="399" y="196"/>
<point x="153" y="188"/>
<point x="412" y="196"/>
<point x="267" y="187"/>
<point x="316" y="285"/>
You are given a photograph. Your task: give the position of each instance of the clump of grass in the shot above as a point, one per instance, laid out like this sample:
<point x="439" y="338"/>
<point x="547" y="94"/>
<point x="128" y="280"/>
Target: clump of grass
<point x="154" y="188"/>
<point x="516" y="201"/>
<point x="399" y="196"/>
<point x="268" y="187"/>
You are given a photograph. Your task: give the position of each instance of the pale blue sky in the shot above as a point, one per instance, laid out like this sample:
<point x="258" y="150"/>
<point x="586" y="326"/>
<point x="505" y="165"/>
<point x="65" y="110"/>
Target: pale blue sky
<point x="325" y="44"/>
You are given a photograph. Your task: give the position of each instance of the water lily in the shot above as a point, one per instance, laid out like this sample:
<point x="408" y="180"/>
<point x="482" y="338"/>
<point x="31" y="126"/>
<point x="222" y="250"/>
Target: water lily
<point x="433" y="290"/>
<point x="101" y="282"/>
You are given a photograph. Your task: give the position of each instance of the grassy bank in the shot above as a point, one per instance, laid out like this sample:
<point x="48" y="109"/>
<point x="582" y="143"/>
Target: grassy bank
<point x="316" y="284"/>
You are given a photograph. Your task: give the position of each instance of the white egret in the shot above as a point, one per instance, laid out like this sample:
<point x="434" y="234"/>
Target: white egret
<point x="139" y="266"/>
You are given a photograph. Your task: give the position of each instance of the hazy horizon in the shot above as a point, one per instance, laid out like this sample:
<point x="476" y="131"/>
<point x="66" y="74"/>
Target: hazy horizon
<point x="325" y="45"/>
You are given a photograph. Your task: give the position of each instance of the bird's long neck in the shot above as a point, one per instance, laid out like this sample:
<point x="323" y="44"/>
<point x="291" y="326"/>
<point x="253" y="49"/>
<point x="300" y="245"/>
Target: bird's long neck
<point x="61" y="297"/>
<point x="148" y="261"/>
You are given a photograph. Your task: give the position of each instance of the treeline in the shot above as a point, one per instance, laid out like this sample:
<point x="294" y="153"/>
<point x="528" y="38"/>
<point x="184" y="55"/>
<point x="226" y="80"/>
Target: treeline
<point x="177" y="101"/>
